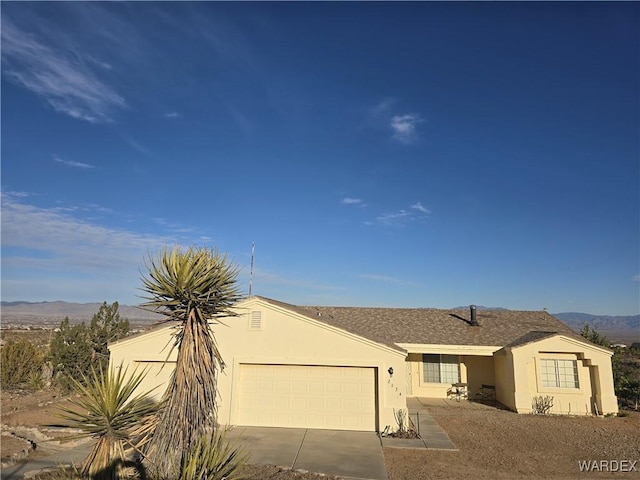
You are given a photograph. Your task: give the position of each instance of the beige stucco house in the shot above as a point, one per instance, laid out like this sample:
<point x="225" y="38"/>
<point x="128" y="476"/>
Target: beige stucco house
<point x="350" y="368"/>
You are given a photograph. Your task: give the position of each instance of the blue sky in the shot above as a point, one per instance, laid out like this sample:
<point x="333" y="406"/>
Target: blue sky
<point x="414" y="154"/>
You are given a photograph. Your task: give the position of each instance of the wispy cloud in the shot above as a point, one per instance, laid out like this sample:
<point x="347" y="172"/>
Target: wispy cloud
<point x="393" y="218"/>
<point x="58" y="75"/>
<point x="402" y="217"/>
<point x="404" y="127"/>
<point x="82" y="207"/>
<point x="273" y="279"/>
<point x="18" y="194"/>
<point x="99" y="63"/>
<point x="172" y="115"/>
<point x="351" y="201"/>
<point x="636" y="278"/>
<point x="173" y="227"/>
<point x="137" y="145"/>
<point x="71" y="239"/>
<point x="384" y="115"/>
<point x="56" y="244"/>
<point x="378" y="278"/>
<point x="418" y="206"/>
<point x="382" y="107"/>
<point x="386" y="279"/>
<point x="72" y="164"/>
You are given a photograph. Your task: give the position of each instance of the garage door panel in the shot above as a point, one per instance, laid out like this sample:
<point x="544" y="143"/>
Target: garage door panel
<point x="305" y="396"/>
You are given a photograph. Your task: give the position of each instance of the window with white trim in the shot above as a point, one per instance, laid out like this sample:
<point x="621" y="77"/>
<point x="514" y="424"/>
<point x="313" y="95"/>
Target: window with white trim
<point x="438" y="368"/>
<point x="557" y="373"/>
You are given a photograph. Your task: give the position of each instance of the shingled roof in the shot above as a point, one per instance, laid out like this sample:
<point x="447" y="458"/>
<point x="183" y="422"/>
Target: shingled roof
<point x="391" y="326"/>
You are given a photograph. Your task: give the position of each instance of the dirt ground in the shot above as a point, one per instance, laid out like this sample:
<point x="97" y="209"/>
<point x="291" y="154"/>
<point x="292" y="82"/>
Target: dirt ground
<point x="498" y="444"/>
<point x="492" y="443"/>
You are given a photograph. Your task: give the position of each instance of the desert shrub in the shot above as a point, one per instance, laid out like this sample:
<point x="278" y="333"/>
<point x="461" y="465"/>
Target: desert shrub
<point x="213" y="458"/>
<point x="401" y="419"/>
<point x="541" y="405"/>
<point x="107" y="411"/>
<point x="21" y="361"/>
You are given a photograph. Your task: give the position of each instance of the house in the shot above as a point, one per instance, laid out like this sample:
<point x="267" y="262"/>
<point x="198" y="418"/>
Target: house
<point x="351" y="368"/>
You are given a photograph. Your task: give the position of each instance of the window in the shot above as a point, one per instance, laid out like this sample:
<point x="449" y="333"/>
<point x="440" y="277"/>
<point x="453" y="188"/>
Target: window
<point x="559" y="373"/>
<point x="440" y="368"/>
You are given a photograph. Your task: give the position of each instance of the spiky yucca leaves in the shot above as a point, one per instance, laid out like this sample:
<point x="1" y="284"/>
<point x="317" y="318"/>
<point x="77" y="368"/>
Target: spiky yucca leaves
<point x="213" y="458"/>
<point x="107" y="411"/>
<point x="194" y="287"/>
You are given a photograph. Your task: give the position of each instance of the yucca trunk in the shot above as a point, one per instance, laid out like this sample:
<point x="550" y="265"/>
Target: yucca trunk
<point x="190" y="399"/>
<point x="105" y="460"/>
<point x="192" y="287"/>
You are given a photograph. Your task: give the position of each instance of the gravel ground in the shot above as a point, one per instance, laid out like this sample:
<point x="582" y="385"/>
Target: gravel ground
<point x="492" y="443"/>
<point x="498" y="444"/>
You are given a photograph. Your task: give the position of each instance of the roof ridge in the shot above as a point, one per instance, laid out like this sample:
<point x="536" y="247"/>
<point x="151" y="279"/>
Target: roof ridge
<point x="456" y="309"/>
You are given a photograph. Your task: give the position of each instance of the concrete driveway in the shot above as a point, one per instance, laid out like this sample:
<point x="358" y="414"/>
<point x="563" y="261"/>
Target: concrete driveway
<point x="353" y="455"/>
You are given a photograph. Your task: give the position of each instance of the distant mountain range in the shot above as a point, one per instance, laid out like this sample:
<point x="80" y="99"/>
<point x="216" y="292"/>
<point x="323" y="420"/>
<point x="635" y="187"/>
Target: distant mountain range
<point x="603" y="323"/>
<point x="48" y="311"/>
<point x="53" y="313"/>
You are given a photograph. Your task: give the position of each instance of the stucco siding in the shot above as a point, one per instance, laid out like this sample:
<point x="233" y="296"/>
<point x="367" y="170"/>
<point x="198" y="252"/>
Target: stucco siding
<point x="593" y="391"/>
<point x="283" y="338"/>
<point x="480" y="371"/>
<point x="504" y="380"/>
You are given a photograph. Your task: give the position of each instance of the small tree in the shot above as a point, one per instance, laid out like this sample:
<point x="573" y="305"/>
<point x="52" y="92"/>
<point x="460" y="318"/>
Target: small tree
<point x="632" y="392"/>
<point x="626" y="375"/>
<point x="76" y="348"/>
<point x="595" y="337"/>
<point x="70" y="353"/>
<point x="106" y="327"/>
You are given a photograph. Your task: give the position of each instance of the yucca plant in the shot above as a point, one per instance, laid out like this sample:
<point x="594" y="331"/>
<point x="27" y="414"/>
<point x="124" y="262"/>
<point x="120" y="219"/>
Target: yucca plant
<point x="213" y="458"/>
<point x="193" y="287"/>
<point x="107" y="411"/>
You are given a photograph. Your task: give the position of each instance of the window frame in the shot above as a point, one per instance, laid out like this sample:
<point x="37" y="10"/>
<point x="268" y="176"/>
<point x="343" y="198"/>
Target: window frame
<point x="444" y="375"/>
<point x="559" y="373"/>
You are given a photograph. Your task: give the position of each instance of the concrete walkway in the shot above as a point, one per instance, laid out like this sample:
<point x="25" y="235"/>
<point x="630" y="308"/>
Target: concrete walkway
<point x="431" y="434"/>
<point x="47" y="456"/>
<point x="347" y="454"/>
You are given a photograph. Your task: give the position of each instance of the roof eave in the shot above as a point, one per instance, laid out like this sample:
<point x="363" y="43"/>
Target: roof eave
<point x="479" y="350"/>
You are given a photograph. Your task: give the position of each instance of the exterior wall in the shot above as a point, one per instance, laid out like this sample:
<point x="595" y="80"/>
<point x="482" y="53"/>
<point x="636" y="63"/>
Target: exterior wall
<point x="595" y="378"/>
<point x="284" y="338"/>
<point x="480" y="371"/>
<point x="504" y="378"/>
<point x="151" y="353"/>
<point x="474" y="370"/>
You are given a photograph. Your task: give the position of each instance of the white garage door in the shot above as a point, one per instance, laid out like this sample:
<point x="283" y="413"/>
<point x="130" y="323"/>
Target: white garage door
<point x="305" y="396"/>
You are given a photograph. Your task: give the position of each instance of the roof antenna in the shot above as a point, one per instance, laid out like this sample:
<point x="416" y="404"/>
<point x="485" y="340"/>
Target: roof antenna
<point x="253" y="249"/>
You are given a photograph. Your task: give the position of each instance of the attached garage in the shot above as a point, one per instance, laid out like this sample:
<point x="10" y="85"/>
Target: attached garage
<point x="285" y="368"/>
<point x="307" y="396"/>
